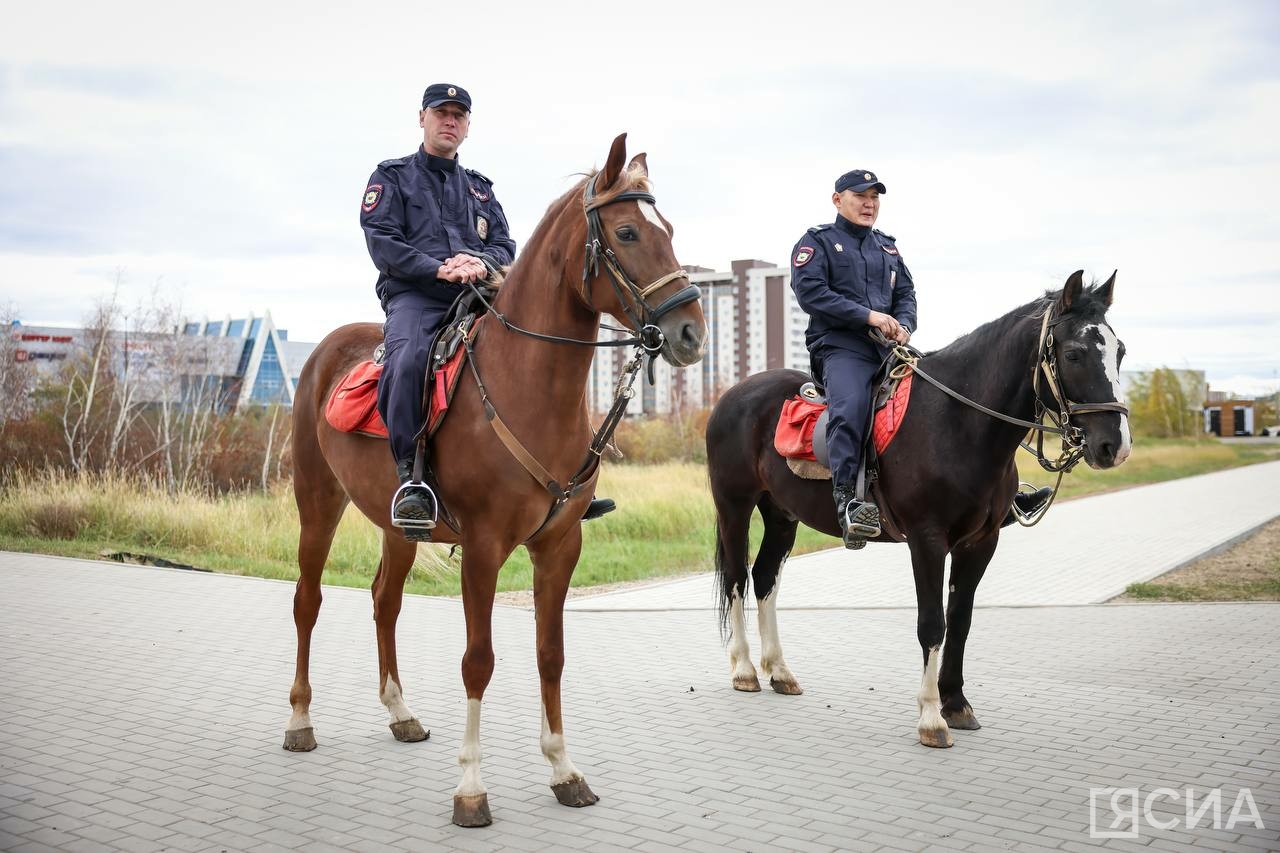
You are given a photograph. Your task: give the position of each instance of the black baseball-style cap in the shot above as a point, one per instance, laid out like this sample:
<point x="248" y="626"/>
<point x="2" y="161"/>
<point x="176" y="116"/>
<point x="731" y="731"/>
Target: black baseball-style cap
<point x="443" y="93"/>
<point x="858" y="180"/>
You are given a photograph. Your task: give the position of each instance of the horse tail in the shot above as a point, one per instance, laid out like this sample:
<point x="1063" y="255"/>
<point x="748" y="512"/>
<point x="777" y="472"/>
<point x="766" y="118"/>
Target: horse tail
<point x="724" y="586"/>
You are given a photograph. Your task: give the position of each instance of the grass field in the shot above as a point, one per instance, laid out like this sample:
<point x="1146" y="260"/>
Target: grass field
<point x="664" y="524"/>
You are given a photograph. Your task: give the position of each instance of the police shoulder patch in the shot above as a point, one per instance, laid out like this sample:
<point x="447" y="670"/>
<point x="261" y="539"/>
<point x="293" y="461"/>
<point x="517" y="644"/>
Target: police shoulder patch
<point x="803" y="255"/>
<point x="893" y="250"/>
<point x="480" y="194"/>
<point x="372" y="195"/>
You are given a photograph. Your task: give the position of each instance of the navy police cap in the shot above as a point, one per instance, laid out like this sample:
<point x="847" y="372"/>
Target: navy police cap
<point x="443" y="93"/>
<point x="858" y="180"/>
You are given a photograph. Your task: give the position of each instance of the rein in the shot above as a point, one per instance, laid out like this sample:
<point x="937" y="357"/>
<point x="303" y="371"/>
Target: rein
<point x="648" y="341"/>
<point x="1047" y="365"/>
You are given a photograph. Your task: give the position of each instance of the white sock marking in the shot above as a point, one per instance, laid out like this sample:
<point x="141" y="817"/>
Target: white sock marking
<point x="739" y="651"/>
<point x="929" y="699"/>
<point x="775" y="668"/>
<point x="469" y="755"/>
<point x="562" y="769"/>
<point x="393" y="698"/>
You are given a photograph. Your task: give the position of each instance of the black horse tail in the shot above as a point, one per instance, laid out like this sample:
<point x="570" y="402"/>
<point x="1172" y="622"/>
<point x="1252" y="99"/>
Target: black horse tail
<point x="724" y="586"/>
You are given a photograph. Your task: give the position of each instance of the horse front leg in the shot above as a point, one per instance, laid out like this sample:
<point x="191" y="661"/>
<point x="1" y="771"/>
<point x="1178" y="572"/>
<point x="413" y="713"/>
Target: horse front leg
<point x="968" y="565"/>
<point x="481" y="561"/>
<point x="928" y="558"/>
<point x="553" y="565"/>
<point x="388" y="594"/>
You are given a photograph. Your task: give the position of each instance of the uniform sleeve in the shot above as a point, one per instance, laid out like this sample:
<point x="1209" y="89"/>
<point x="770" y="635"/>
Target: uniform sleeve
<point x="384" y="233"/>
<point x="904" y="297"/>
<point x="500" y="247"/>
<point x="810" y="279"/>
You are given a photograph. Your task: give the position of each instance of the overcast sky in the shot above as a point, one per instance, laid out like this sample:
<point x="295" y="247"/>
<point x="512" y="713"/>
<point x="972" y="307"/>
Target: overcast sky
<point x="220" y="151"/>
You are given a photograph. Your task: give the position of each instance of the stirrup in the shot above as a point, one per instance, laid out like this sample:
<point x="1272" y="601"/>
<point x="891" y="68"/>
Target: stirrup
<point x="861" y="521"/>
<point x="415" y="522"/>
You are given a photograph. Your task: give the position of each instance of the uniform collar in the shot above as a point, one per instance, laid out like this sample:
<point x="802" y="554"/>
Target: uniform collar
<point x="438" y="164"/>
<point x="859" y="231"/>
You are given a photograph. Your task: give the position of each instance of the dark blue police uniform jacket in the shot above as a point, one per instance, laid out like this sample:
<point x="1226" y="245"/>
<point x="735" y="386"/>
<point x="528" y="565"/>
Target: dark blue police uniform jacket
<point x="418" y="211"/>
<point x="840" y="273"/>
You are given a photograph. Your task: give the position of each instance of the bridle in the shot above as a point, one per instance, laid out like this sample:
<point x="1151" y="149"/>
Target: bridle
<point x="642" y="315"/>
<point x="1047" y="366"/>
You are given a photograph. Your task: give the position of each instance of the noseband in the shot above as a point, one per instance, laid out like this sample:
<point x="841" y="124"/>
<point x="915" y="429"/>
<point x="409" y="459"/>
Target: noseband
<point x="643" y="316"/>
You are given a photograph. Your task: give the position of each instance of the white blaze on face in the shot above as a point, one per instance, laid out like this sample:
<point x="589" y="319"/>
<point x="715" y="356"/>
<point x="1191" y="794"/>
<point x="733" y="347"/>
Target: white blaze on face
<point x="651" y="213"/>
<point x="1110" y="349"/>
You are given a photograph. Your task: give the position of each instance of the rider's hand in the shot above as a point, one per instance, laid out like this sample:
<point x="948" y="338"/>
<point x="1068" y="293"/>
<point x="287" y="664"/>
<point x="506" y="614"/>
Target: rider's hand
<point x="885" y="323"/>
<point x="903" y="335"/>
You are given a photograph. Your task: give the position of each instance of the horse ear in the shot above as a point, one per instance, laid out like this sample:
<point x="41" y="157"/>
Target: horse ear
<point x="640" y="162"/>
<point x="1071" y="291"/>
<point x="613" y="166"/>
<point x="1108" y="290"/>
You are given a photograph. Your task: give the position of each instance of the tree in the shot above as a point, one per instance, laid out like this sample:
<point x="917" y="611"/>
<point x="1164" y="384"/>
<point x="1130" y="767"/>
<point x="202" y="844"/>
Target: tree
<point x="1161" y="405"/>
<point x="17" y="378"/>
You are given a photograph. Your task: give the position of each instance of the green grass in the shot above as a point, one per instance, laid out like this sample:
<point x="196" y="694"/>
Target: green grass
<point x="1264" y="590"/>
<point x="664" y="524"/>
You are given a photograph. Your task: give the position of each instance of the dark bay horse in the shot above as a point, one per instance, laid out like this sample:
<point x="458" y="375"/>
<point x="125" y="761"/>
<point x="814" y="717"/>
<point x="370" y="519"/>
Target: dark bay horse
<point x="946" y="480"/>
<point x="538" y="389"/>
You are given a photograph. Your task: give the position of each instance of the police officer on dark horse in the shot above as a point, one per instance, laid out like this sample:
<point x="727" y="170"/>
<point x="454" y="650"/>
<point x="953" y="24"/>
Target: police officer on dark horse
<point x="850" y="278"/>
<point x="432" y="228"/>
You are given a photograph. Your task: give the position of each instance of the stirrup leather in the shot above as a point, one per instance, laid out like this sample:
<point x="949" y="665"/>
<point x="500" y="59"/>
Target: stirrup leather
<point x="410" y="522"/>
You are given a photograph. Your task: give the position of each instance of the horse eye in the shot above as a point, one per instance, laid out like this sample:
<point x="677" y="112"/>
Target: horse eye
<point x="1073" y="355"/>
<point x="627" y="234"/>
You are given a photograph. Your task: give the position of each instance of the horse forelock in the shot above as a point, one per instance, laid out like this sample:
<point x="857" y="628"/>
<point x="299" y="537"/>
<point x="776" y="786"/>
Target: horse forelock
<point x="634" y="178"/>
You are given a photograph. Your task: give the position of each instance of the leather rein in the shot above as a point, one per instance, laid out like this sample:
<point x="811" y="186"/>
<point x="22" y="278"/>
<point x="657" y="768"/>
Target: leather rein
<point x="648" y="340"/>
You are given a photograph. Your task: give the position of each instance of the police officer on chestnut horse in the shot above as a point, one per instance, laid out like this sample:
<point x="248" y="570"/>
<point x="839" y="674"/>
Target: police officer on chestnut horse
<point x="432" y="228"/>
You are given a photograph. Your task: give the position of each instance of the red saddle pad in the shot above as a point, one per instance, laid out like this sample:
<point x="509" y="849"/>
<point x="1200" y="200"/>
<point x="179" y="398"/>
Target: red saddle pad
<point x="353" y="405"/>
<point x="793" y="437"/>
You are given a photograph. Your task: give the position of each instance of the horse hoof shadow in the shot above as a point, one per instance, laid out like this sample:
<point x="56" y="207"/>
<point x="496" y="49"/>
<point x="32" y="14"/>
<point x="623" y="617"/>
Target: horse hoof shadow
<point x="574" y="793"/>
<point x="786" y="688"/>
<point x="409" y="731"/>
<point x="300" y="740"/>
<point x="472" y="811"/>
<point x="746" y="683"/>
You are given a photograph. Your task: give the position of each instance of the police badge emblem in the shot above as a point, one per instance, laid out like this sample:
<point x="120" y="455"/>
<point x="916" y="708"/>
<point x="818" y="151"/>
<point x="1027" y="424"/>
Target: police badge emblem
<point x="839" y="248"/>
<point x="803" y="255"/>
<point x="482" y="227"/>
<point x="452" y="91"/>
<point x="372" y="195"/>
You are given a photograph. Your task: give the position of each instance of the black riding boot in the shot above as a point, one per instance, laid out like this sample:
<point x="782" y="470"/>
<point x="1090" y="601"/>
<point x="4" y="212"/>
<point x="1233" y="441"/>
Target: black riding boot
<point x="599" y="507"/>
<point x="1029" y="503"/>
<point x="414" y="506"/>
<point x="858" y="520"/>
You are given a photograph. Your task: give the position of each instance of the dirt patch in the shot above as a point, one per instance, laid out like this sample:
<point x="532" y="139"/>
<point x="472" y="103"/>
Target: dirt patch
<point x="1250" y="564"/>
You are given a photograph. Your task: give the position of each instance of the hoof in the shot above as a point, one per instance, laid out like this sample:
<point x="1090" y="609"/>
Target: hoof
<point x="786" y="688"/>
<point x="409" y="731"/>
<point x="936" y="738"/>
<point x="746" y="683"/>
<point x="471" y="811"/>
<point x="300" y="740"/>
<point x="576" y="793"/>
<point x="962" y="719"/>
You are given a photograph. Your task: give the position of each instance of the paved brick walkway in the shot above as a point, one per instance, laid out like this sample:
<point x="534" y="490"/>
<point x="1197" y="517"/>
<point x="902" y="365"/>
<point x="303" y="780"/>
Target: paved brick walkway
<point x="1086" y="551"/>
<point x="143" y="709"/>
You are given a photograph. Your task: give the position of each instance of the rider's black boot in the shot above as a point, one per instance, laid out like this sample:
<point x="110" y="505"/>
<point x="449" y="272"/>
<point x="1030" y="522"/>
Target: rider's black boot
<point x="413" y="508"/>
<point x="1029" y="503"/>
<point x="599" y="507"/>
<point x="858" y="520"/>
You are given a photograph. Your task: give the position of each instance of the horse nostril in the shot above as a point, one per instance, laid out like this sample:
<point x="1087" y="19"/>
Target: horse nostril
<point x="1107" y="451"/>
<point x="689" y="336"/>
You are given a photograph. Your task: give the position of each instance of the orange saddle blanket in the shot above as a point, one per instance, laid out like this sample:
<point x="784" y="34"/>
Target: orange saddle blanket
<point x="353" y="405"/>
<point x="793" y="437"/>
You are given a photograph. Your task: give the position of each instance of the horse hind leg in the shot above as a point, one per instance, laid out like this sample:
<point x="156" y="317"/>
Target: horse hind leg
<point x="320" y="500"/>
<point x="733" y="521"/>
<point x="388" y="594"/>
<point x="766" y="575"/>
<point x="553" y="564"/>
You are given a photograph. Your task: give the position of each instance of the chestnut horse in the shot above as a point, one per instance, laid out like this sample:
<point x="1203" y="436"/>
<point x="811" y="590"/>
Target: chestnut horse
<point x="945" y="482"/>
<point x="537" y="387"/>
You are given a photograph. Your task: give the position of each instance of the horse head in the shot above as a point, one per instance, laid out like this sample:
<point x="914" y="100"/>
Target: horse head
<point x="1087" y="355"/>
<point x="630" y="271"/>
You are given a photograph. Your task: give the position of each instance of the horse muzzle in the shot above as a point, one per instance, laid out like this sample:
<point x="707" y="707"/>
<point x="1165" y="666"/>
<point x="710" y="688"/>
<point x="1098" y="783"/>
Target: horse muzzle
<point x="684" y="340"/>
<point x="1107" y="442"/>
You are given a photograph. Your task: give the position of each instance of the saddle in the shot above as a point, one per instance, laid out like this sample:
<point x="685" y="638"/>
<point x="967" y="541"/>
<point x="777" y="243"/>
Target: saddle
<point x="353" y="404"/>
<point x="801" y="434"/>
